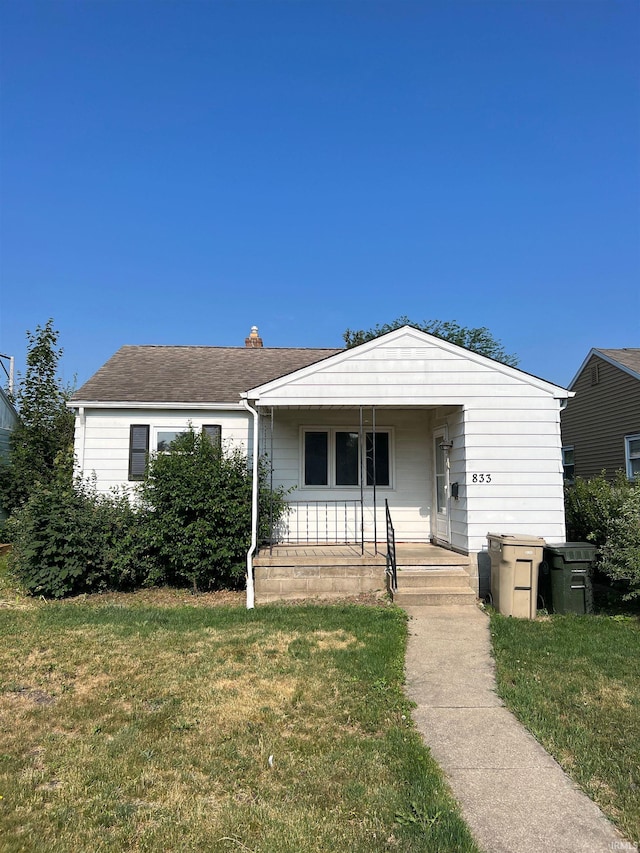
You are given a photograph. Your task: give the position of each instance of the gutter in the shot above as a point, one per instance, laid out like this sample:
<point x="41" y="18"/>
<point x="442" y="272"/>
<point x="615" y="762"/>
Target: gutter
<point x="254" y="506"/>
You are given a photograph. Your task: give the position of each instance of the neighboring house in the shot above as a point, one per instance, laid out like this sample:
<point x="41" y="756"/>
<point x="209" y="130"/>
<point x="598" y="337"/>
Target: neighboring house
<point x="8" y="421"/>
<point x="458" y="444"/>
<point x="601" y="423"/>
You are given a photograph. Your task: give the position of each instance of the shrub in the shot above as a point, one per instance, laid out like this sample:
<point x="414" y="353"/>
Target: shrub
<point x="608" y="514"/>
<point x="620" y="554"/>
<point x="191" y="526"/>
<point x="196" y="505"/>
<point x="590" y="505"/>
<point x="67" y="539"/>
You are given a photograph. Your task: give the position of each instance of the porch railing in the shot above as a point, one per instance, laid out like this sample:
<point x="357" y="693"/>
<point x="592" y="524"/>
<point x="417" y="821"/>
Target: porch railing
<point x="321" y="522"/>
<point x="392" y="569"/>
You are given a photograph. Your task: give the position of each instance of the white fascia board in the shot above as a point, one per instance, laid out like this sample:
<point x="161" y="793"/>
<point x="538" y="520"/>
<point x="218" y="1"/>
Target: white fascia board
<point x="128" y="404"/>
<point x="606" y="358"/>
<point x="421" y="337"/>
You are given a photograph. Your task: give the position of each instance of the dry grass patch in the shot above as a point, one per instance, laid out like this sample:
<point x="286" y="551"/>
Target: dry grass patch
<point x="129" y="727"/>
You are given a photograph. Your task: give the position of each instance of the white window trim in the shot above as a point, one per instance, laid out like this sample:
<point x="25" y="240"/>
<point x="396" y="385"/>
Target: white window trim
<point x="156" y="430"/>
<point x="627" y="452"/>
<point x="331" y="459"/>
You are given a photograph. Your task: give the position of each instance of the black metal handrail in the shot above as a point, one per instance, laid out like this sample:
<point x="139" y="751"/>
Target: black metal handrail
<point x="321" y="522"/>
<point x="392" y="569"/>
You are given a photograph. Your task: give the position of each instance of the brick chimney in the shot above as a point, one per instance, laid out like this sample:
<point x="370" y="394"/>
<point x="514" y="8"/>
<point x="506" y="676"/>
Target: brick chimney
<point x="254" y="341"/>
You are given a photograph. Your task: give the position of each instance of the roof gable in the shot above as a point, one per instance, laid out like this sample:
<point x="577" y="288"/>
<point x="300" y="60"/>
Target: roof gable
<point x="626" y="359"/>
<point x="417" y="356"/>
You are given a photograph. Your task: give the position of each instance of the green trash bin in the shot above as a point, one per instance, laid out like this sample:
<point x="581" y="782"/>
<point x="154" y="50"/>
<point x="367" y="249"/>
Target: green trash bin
<point x="567" y="567"/>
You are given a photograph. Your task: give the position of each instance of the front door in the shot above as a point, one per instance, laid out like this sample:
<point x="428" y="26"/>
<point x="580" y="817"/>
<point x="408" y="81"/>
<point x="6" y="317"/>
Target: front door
<point x="441" y="486"/>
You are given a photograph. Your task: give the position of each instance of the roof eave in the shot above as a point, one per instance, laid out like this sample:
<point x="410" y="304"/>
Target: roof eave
<point x="153" y="404"/>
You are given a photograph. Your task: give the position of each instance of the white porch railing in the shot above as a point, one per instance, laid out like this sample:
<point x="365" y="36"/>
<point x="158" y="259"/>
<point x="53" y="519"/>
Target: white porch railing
<point x="321" y="522"/>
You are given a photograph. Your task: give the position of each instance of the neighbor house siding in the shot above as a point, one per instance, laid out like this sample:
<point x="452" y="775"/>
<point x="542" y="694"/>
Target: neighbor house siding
<point x="102" y="437"/>
<point x="598" y="418"/>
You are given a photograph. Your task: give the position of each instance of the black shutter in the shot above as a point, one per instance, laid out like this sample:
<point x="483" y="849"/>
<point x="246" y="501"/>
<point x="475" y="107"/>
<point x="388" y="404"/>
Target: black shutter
<point x="138" y="450"/>
<point x="214" y="433"/>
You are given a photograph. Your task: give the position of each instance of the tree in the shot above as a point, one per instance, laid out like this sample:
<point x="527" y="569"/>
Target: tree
<point x="41" y="445"/>
<point x="478" y="340"/>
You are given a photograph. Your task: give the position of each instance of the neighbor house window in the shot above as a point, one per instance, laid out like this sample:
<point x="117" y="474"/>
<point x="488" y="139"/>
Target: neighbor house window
<point x="568" y="464"/>
<point x="138" y="450"/>
<point x="331" y="457"/>
<point x="632" y="455"/>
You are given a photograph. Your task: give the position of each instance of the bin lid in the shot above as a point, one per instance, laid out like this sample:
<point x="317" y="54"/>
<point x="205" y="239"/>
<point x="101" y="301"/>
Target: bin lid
<point x="517" y="539"/>
<point x="572" y="552"/>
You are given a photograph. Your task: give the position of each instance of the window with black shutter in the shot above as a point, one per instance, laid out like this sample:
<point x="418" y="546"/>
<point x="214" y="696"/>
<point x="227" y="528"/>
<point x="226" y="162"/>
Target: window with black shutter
<point x="138" y="450"/>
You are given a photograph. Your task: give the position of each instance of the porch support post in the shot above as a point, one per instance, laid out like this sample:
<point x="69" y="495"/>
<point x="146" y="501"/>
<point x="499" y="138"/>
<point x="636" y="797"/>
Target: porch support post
<point x="375" y="478"/>
<point x="362" y="476"/>
<point x="251" y="601"/>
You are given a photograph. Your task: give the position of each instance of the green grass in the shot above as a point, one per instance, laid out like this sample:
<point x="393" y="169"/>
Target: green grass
<point x="125" y="726"/>
<point x="574" y="682"/>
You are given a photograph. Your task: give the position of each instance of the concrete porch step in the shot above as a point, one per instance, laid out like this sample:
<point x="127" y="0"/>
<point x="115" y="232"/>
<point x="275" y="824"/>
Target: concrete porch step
<point x="432" y="577"/>
<point x="441" y="596"/>
<point x="433" y="585"/>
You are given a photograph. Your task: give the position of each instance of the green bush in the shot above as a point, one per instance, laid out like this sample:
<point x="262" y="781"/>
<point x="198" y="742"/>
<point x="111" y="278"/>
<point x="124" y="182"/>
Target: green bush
<point x="67" y="539"/>
<point x="608" y="514"/>
<point x="190" y="526"/>
<point x="620" y="554"/>
<point x="196" y="506"/>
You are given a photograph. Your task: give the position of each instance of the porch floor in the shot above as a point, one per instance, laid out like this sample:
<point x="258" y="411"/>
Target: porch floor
<point x="408" y="554"/>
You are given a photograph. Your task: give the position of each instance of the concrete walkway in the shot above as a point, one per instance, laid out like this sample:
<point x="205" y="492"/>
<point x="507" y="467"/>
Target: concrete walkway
<point x="513" y="795"/>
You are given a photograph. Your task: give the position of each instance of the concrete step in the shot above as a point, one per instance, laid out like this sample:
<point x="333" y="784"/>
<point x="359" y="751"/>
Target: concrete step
<point x="444" y="595"/>
<point x="433" y="577"/>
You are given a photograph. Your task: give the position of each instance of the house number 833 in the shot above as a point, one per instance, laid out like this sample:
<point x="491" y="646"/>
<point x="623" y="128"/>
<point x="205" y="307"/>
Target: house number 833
<point x="481" y="478"/>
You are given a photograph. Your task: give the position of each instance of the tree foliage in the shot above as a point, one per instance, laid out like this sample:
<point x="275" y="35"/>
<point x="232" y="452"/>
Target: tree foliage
<point x="43" y="438"/>
<point x="478" y="340"/>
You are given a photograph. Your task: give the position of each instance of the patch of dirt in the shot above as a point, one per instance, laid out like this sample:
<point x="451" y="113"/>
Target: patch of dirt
<point x="38" y="697"/>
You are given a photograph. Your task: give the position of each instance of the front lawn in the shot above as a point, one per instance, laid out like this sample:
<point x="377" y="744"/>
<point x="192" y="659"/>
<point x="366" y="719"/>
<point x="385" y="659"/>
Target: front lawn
<point x="129" y="725"/>
<point x="574" y="682"/>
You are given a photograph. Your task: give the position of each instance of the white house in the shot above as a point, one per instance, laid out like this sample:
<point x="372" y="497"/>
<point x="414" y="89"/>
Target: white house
<point x="455" y="443"/>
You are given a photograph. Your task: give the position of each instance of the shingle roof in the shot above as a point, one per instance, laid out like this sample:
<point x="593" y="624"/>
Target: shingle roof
<point x="163" y="374"/>
<point x="628" y="357"/>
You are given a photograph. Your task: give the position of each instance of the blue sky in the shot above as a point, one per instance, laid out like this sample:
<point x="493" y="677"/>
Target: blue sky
<point x="175" y="171"/>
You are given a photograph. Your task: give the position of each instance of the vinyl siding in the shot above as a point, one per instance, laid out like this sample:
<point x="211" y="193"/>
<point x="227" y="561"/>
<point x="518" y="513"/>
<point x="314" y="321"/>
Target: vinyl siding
<point x="597" y="419"/>
<point x="102" y="440"/>
<point x="410" y="494"/>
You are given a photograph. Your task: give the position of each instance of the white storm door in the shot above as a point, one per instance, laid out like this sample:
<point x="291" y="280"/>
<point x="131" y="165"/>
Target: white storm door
<point x="441" y="487"/>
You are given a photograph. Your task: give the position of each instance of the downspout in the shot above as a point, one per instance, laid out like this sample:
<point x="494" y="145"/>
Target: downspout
<point x="254" y="505"/>
<point x="82" y="418"/>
